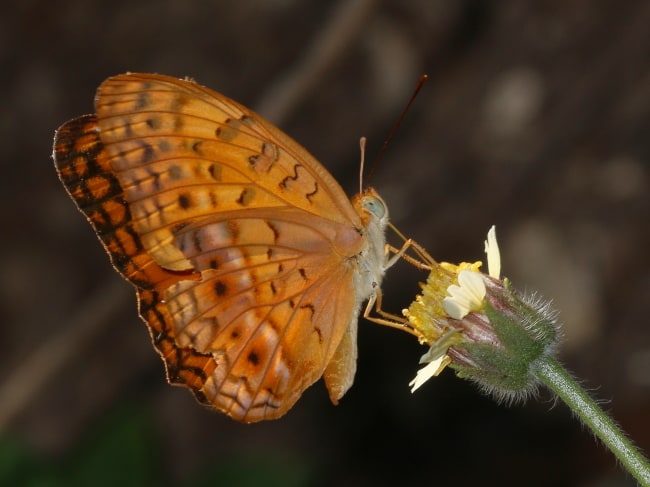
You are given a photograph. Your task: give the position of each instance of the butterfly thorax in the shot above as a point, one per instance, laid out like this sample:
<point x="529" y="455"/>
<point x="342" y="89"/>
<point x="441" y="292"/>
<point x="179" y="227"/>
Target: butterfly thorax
<point x="371" y="261"/>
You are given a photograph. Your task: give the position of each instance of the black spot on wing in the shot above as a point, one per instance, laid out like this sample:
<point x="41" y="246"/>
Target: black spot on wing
<point x="175" y="172"/>
<point x="184" y="200"/>
<point x="276" y="233"/>
<point x="142" y="101"/>
<point x="148" y="153"/>
<point x="220" y="288"/>
<point x="153" y="123"/>
<point x="215" y="172"/>
<point x="253" y="358"/>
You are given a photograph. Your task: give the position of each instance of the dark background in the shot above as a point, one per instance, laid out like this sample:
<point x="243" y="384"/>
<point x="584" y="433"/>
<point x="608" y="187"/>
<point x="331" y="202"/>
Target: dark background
<point x="535" y="118"/>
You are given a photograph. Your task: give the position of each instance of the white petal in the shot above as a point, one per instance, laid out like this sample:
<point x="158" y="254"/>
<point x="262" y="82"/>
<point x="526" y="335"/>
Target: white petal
<point x="493" y="255"/>
<point x="425" y="373"/>
<point x="454" y="308"/>
<point x="466" y="297"/>
<point x="473" y="285"/>
<point x="458" y="294"/>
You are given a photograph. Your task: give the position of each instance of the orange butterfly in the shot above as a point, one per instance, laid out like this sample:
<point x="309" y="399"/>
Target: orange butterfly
<point x="249" y="261"/>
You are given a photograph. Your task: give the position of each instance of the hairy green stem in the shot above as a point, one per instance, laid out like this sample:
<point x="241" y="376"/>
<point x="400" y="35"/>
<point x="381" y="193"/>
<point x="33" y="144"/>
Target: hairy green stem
<point x="551" y="373"/>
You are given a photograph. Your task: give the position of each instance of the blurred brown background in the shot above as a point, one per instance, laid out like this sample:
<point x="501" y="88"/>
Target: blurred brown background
<point x="535" y="118"/>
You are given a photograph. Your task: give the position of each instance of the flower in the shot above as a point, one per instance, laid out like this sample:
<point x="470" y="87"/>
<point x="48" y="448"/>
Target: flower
<point x="481" y="327"/>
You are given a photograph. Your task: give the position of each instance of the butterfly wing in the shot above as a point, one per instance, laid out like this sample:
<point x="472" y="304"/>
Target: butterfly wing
<point x="82" y="165"/>
<point x="183" y="151"/>
<point x="240" y="244"/>
<point x="272" y="334"/>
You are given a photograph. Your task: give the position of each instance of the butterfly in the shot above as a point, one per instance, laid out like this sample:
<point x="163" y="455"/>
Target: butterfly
<point x="249" y="262"/>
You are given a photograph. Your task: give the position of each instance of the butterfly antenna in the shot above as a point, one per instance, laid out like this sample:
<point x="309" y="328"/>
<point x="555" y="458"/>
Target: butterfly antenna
<point x="362" y="146"/>
<point x="393" y="131"/>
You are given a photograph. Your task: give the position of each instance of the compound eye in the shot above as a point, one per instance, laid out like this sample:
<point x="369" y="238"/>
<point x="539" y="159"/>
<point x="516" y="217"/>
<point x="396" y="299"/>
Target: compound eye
<point x="374" y="206"/>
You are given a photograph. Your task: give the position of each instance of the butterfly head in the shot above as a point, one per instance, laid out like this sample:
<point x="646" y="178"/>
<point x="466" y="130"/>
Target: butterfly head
<point x="371" y="208"/>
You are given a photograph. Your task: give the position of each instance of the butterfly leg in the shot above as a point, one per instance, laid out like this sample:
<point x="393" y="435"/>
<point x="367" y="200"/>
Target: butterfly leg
<point x="422" y="261"/>
<point x="385" y="318"/>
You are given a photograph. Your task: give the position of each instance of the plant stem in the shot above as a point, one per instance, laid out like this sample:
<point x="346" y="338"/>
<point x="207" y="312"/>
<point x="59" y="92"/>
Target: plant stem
<point x="556" y="378"/>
